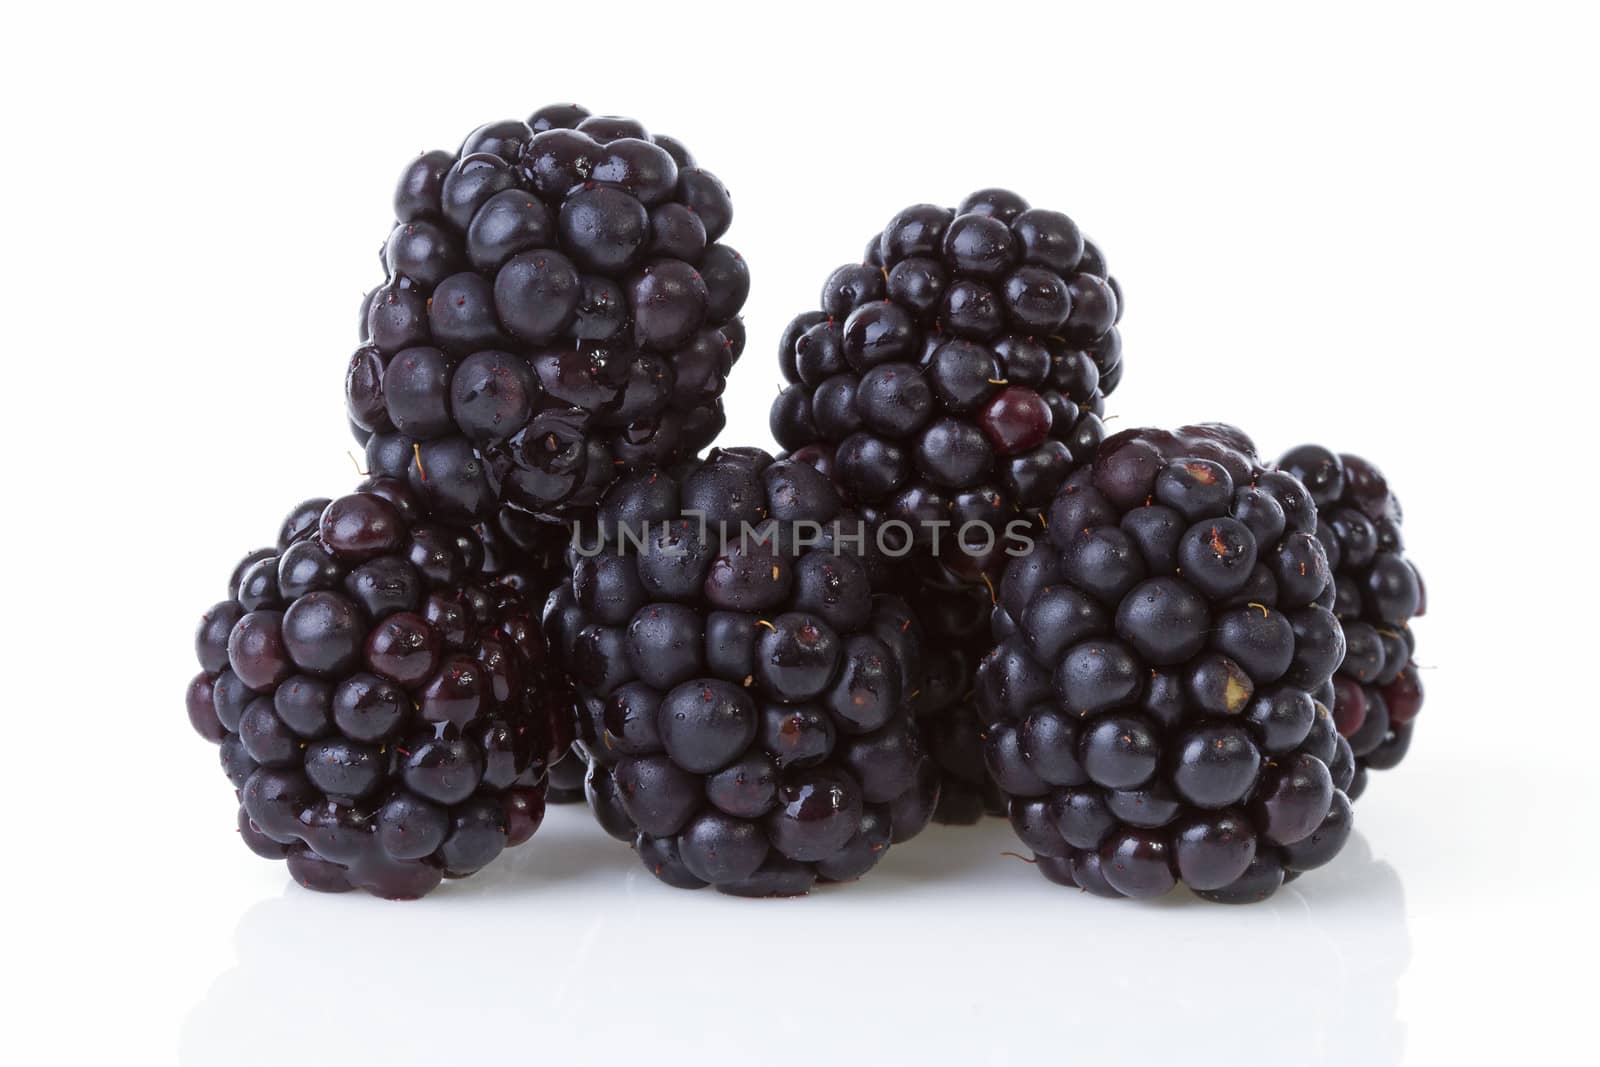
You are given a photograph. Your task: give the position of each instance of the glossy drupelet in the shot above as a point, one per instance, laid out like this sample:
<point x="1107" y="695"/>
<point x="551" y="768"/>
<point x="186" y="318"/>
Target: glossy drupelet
<point x="743" y="698"/>
<point x="380" y="689"/>
<point x="1150" y="709"/>
<point x="958" y="373"/>
<point x="1378" y="691"/>
<point x="557" y="309"/>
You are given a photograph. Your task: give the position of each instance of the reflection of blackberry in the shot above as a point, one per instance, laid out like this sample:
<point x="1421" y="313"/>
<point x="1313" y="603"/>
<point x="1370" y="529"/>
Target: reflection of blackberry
<point x="959" y="372"/>
<point x="1149" y="709"/>
<point x="556" y="310"/>
<point x="382" y="696"/>
<point x="954" y="618"/>
<point x="743" y="699"/>
<point x="1377" y="693"/>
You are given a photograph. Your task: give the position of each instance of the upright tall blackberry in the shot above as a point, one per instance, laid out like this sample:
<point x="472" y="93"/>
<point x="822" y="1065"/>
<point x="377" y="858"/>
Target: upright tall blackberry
<point x="557" y="310"/>
<point x="958" y="373"/>
<point x="743" y="691"/>
<point x="1377" y="693"/>
<point x="381" y="692"/>
<point x="1149" y="709"/>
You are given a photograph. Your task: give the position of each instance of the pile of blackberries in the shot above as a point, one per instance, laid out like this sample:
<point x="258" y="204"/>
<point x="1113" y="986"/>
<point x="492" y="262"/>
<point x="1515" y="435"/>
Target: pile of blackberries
<point x="950" y="596"/>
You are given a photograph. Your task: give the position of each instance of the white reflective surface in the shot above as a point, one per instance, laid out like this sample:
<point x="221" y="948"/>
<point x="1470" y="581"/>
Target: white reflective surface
<point x="949" y="951"/>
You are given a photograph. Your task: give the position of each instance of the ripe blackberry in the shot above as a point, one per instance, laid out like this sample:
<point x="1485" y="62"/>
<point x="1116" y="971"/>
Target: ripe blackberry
<point x="959" y="371"/>
<point x="557" y="309"/>
<point x="380" y="689"/>
<point x="1150" y="709"/>
<point x="954" y="620"/>
<point x="742" y="694"/>
<point x="1377" y="693"/>
<point x="565" y="785"/>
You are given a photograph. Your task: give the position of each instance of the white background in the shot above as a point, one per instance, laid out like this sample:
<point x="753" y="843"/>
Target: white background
<point x="1375" y="228"/>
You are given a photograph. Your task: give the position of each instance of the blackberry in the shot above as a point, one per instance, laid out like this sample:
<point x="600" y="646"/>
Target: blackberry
<point x="382" y="697"/>
<point x="743" y="690"/>
<point x="954" y="620"/>
<point x="959" y="371"/>
<point x="1377" y="693"/>
<point x="1151" y="710"/>
<point x="557" y="309"/>
<point x="565" y="785"/>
